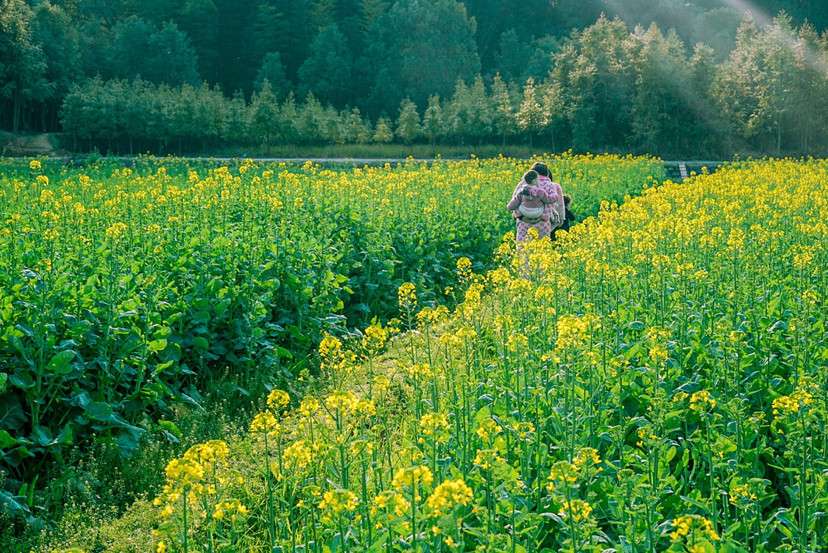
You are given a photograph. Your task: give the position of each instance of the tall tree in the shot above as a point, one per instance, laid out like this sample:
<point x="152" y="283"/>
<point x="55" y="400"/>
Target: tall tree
<point x="421" y="48"/>
<point x="513" y="55"/>
<point x="753" y="86"/>
<point x="264" y="115"/>
<point x="199" y="19"/>
<point x="273" y="71"/>
<point x="811" y="112"/>
<point x="238" y="60"/>
<point x="53" y="30"/>
<point x="660" y="100"/>
<point x="283" y="26"/>
<point x="356" y="129"/>
<point x="383" y="133"/>
<point x="328" y="70"/>
<point x="369" y="12"/>
<point x="22" y="63"/>
<point x="433" y="119"/>
<point x="310" y="122"/>
<point x="158" y="55"/>
<point x="503" y="104"/>
<point x="408" y="122"/>
<point x="324" y="14"/>
<point x="554" y="109"/>
<point x="592" y="70"/>
<point x="531" y="118"/>
<point x="706" y="127"/>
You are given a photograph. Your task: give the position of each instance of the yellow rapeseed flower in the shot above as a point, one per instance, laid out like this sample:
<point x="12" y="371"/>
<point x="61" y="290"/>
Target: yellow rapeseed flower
<point x="448" y="495"/>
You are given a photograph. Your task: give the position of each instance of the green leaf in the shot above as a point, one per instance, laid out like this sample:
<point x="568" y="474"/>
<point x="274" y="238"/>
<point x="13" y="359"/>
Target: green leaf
<point x="3" y="379"/>
<point x="378" y="545"/>
<point x="127" y="443"/>
<point x="199" y="342"/>
<point x="7" y="440"/>
<point x="43" y="436"/>
<point x="65" y="437"/>
<point x="22" y="380"/>
<point x="170" y="427"/>
<point x="60" y="363"/>
<point x="158" y="345"/>
<point x="99" y="410"/>
<point x="12" y="416"/>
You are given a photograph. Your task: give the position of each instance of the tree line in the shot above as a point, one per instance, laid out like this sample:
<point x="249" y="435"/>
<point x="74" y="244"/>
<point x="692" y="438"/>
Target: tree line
<point x="607" y="88"/>
<point x="624" y="80"/>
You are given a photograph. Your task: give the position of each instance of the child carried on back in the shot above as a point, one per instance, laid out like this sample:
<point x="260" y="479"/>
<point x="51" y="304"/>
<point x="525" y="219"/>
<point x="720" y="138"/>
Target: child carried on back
<point x="530" y="200"/>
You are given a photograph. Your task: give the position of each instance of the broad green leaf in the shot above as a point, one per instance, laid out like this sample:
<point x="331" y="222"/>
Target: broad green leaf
<point x="99" y="410"/>
<point x="7" y="440"/>
<point x="158" y="345"/>
<point x="22" y="380"/>
<point x="199" y="342"/>
<point x="60" y="363"/>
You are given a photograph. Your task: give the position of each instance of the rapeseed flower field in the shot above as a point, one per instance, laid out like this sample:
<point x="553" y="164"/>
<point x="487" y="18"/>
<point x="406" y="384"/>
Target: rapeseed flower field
<point x="655" y="381"/>
<point x="131" y="292"/>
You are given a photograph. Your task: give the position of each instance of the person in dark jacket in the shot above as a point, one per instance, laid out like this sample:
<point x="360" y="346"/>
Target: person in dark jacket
<point x="568" y="216"/>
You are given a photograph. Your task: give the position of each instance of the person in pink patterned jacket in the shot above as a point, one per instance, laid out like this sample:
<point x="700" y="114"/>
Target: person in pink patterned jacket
<point x="557" y="208"/>
<point x="531" y="190"/>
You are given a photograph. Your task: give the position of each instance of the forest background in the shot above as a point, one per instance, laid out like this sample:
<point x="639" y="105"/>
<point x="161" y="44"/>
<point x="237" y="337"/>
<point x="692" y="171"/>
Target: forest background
<point x="699" y="79"/>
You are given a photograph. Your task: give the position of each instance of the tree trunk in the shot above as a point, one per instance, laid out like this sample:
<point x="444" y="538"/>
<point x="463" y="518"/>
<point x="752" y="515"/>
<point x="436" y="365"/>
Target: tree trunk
<point x="779" y="139"/>
<point x="16" y="111"/>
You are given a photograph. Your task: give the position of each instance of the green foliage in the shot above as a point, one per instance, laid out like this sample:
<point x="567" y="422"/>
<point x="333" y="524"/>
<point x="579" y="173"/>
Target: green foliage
<point x="273" y="71"/>
<point x="327" y="73"/>
<point x="159" y="55"/>
<point x="130" y="291"/>
<point x="420" y="49"/>
<point x="655" y="380"/>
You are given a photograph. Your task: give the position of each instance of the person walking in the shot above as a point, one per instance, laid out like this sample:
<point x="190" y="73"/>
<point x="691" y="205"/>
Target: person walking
<point x="532" y="191"/>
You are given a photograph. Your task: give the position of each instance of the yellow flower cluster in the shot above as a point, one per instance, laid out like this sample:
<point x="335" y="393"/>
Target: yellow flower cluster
<point x="412" y="477"/>
<point x="278" y="400"/>
<point x="210" y="452"/>
<point x="577" y="509"/>
<point x="586" y="457"/>
<point x="702" y="401"/>
<point x="573" y="330"/>
<point x="347" y="403"/>
<point x="488" y="428"/>
<point x="448" y="495"/>
<point x="338" y="501"/>
<point x="265" y="423"/>
<point x="488" y="458"/>
<point x="115" y="231"/>
<point x="790" y="405"/>
<point x="195" y="482"/>
<point x="692" y="526"/>
<point x="235" y="509"/>
<point x="432" y="424"/>
<point x="741" y="494"/>
<point x="407" y="297"/>
<point x="374" y="339"/>
<point x="390" y="499"/>
<point x="298" y="455"/>
<point x="562" y="475"/>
